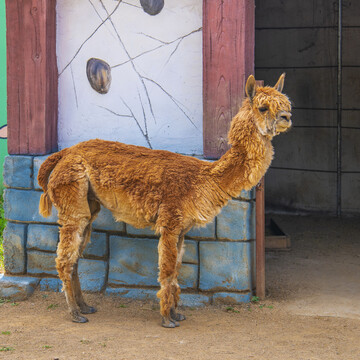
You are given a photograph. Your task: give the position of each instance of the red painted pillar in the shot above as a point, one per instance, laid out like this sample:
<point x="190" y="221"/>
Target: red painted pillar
<point x="31" y="76"/>
<point x="228" y="59"/>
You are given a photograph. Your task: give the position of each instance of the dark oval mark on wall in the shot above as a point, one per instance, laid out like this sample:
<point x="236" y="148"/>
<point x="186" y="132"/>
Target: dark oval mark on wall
<point x="99" y="75"/>
<point x="152" y="7"/>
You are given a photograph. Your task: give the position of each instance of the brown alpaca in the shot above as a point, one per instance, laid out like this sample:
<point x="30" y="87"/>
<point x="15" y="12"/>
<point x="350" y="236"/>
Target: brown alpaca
<point x="167" y="191"/>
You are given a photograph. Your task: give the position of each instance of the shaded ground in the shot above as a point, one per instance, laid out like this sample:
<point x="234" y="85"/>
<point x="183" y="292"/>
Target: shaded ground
<point x="321" y="273"/>
<point x="312" y="312"/>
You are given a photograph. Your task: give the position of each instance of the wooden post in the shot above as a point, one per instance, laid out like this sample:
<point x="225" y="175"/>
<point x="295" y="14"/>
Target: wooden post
<point x="228" y="59"/>
<point x="31" y="76"/>
<point x="260" y="239"/>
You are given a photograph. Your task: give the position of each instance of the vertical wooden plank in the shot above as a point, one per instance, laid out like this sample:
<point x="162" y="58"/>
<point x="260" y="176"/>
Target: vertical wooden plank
<point x="14" y="56"/>
<point x="260" y="239"/>
<point x="32" y="76"/>
<point x="228" y="58"/>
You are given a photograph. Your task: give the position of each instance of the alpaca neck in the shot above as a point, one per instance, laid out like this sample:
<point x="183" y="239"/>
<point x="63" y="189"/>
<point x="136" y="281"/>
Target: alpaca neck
<point x="246" y="162"/>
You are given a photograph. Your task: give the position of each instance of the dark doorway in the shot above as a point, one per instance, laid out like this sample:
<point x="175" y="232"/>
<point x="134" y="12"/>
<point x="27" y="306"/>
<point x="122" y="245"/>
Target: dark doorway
<point x="317" y="164"/>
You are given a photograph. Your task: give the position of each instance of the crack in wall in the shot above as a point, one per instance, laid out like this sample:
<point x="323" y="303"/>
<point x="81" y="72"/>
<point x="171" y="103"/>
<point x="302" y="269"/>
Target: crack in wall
<point x="113" y="112"/>
<point x="73" y="81"/>
<point x="164" y="43"/>
<point x="145" y="92"/>
<point x="146" y="136"/>
<point x="91" y="35"/>
<point x="175" y="101"/>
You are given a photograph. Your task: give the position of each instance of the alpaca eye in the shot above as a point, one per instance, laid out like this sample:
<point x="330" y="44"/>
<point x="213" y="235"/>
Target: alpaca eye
<point x="263" y="109"/>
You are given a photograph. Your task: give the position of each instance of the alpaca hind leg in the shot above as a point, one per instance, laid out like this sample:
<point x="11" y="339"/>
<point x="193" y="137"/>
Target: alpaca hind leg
<point x="176" y="288"/>
<point x="167" y="277"/>
<point x="84" y="308"/>
<point x="67" y="258"/>
<point x="74" y="216"/>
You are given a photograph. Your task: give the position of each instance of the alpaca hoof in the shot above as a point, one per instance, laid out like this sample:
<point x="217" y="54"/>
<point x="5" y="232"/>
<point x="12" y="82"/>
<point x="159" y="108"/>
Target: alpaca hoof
<point x="176" y="316"/>
<point x="169" y="323"/>
<point x="88" y="310"/>
<point x="75" y="317"/>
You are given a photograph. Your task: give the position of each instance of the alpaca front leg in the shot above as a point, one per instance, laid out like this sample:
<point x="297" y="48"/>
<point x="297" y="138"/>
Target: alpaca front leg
<point x="167" y="278"/>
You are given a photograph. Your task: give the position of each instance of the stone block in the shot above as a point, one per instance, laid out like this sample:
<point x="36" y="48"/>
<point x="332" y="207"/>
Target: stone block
<point x="225" y="265"/>
<point x="288" y="189"/>
<point x="308" y="87"/>
<point x="350" y="149"/>
<point x="92" y="274"/>
<point x="236" y="221"/>
<point x="42" y="237"/>
<point x="281" y="48"/>
<point x="139" y="232"/>
<point x="294" y="14"/>
<point x="14" y="248"/>
<point x="194" y="300"/>
<point x="105" y="221"/>
<point x="207" y="232"/>
<point x="40" y="263"/>
<point x="38" y="160"/>
<point x="50" y="284"/>
<point x="17" y="288"/>
<point x="23" y="205"/>
<point x="191" y="255"/>
<point x="316" y="152"/>
<point x="186" y="300"/>
<point x="97" y="246"/>
<point x="133" y="261"/>
<point x="350" y="193"/>
<point x="133" y="293"/>
<point x="18" y="171"/>
<point x="188" y="276"/>
<point x="231" y="298"/>
<point x="247" y="194"/>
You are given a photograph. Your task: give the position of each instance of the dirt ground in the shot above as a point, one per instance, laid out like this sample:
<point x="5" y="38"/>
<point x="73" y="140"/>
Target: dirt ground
<point x="312" y="311"/>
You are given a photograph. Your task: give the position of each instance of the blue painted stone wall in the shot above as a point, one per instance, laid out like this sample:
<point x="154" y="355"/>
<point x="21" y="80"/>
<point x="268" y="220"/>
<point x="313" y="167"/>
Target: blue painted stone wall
<point x="218" y="265"/>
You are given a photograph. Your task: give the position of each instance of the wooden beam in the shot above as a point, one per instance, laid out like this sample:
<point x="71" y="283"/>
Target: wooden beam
<point x="228" y="59"/>
<point x="260" y="239"/>
<point x="31" y="76"/>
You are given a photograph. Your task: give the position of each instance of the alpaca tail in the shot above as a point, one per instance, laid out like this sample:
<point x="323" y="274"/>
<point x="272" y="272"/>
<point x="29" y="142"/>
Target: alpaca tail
<point x="46" y="168"/>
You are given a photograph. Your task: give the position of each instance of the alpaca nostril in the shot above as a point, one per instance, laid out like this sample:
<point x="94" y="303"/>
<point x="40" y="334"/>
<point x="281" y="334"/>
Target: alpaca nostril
<point x="284" y="117"/>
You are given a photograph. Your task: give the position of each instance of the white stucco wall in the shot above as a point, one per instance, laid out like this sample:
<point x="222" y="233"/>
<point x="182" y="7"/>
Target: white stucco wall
<point x="155" y="98"/>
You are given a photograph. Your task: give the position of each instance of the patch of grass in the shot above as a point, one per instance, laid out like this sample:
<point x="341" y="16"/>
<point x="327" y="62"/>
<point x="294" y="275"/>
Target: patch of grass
<point x="2" y="227"/>
<point x="47" y="346"/>
<point x="121" y="306"/>
<point x="231" y="309"/>
<point x="255" y="299"/>
<point x="85" y="341"/>
<point x="4" y="301"/>
<point x="14" y="304"/>
<point x="6" y="332"/>
<point x="6" y="348"/>
<point x="52" y="306"/>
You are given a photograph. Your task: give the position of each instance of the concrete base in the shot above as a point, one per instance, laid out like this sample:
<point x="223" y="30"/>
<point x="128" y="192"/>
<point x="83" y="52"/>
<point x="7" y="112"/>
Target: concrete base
<point x="17" y="288"/>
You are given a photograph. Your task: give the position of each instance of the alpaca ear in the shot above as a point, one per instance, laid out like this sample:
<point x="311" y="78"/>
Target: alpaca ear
<point x="280" y="83"/>
<point x="250" y="87"/>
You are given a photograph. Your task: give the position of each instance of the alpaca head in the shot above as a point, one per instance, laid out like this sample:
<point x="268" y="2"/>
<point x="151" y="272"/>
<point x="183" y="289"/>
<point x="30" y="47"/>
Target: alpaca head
<point x="266" y="106"/>
<point x="270" y="107"/>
